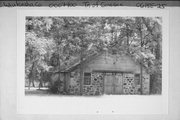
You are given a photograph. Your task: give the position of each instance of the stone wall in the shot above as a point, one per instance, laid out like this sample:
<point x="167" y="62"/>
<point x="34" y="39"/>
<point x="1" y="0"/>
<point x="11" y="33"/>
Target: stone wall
<point x="74" y="84"/>
<point x="129" y="85"/>
<point x="96" y="87"/>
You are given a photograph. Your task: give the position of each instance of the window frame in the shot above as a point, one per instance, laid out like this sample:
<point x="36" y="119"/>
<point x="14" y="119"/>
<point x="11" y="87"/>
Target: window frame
<point x="85" y="80"/>
<point x="135" y="76"/>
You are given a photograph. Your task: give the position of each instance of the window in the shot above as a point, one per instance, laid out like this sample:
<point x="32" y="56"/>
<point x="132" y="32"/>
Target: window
<point x="137" y="79"/>
<point x="72" y="74"/>
<point x="87" y="78"/>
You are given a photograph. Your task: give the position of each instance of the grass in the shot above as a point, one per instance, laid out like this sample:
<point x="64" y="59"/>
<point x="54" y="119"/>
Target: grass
<point x="37" y="91"/>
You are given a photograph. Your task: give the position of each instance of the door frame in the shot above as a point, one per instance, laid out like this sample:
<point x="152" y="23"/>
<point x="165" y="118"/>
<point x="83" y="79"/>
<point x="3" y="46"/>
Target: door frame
<point x="113" y="84"/>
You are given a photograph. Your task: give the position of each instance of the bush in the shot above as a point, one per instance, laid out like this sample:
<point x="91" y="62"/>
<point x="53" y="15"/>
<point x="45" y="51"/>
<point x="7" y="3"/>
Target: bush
<point x="57" y="87"/>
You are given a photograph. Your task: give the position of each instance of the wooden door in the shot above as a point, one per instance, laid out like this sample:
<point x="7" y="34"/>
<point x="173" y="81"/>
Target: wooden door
<point x="118" y="83"/>
<point x="113" y="83"/>
<point x="108" y="83"/>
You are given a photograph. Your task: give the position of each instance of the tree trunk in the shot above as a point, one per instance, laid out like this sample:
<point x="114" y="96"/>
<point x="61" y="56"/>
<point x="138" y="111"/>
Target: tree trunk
<point x="81" y="66"/>
<point x="127" y="35"/>
<point x="112" y="34"/>
<point x="29" y="86"/>
<point x="31" y="75"/>
<point x="59" y="86"/>
<point x="40" y="84"/>
<point x="141" y="60"/>
<point x="41" y="79"/>
<point x="141" y="78"/>
<point x="157" y="50"/>
<point x="81" y="73"/>
<point x="65" y="83"/>
<point x="33" y="83"/>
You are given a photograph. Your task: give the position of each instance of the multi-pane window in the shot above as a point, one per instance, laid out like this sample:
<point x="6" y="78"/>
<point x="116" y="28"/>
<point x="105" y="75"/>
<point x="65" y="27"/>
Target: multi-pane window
<point x="137" y="79"/>
<point x="87" y="78"/>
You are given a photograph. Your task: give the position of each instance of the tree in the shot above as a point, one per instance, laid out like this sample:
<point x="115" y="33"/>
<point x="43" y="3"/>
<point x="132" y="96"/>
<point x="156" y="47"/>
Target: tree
<point x="57" y="41"/>
<point x="38" y="49"/>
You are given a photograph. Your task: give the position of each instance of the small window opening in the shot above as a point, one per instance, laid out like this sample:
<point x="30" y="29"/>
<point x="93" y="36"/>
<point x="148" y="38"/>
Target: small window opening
<point x="87" y="78"/>
<point x="137" y="79"/>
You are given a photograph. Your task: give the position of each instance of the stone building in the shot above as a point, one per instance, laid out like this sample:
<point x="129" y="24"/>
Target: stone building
<point x="106" y="73"/>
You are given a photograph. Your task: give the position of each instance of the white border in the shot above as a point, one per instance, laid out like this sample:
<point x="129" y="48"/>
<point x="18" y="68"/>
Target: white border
<point x="91" y="105"/>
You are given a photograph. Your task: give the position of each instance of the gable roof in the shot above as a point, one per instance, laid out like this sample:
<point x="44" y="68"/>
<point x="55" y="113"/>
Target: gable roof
<point x="93" y="56"/>
<point x="75" y="65"/>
